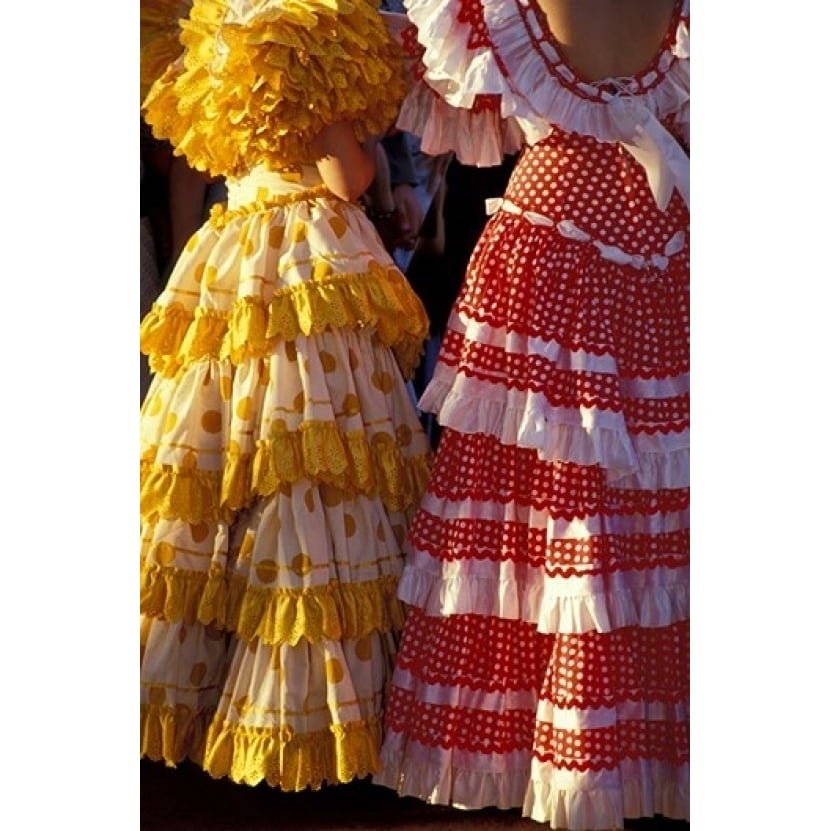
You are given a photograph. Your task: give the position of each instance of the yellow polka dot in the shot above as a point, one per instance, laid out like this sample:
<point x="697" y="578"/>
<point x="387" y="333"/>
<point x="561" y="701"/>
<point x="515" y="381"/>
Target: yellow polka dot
<point x="334" y="671"/>
<point x="266" y="571"/>
<point x="210" y="275"/>
<point x="382" y="380"/>
<point x="191" y="244"/>
<point x="351" y="405"/>
<point x="214" y="634"/>
<point x="198" y="673"/>
<point x="322" y="270"/>
<point x="233" y="448"/>
<point x="330" y="496"/>
<point x="363" y="648"/>
<point x="354" y="363"/>
<point x="225" y="387"/>
<point x="279" y="427"/>
<point x="247" y="546"/>
<point x="199" y="272"/>
<point x="245" y="407"/>
<point x="156" y="694"/>
<point x="328" y="362"/>
<point x="299" y="403"/>
<point x="199" y="531"/>
<point x="349" y="525"/>
<point x="275" y="236"/>
<point x="309" y="499"/>
<point x="338" y="226"/>
<point x="380" y="533"/>
<point x="189" y="461"/>
<point x="404" y="435"/>
<point x="170" y="422"/>
<point x="301" y="564"/>
<point x="291" y="351"/>
<point x="154" y="406"/>
<point x="298" y="232"/>
<point x="212" y="421"/>
<point x="164" y="553"/>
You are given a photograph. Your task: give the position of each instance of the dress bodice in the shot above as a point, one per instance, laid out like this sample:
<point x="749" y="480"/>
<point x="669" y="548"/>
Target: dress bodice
<point x="494" y="78"/>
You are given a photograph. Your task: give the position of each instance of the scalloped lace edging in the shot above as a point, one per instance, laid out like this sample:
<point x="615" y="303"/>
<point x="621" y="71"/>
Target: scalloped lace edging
<point x="275" y="615"/>
<point x="348" y="463"/>
<point x="174" y="337"/>
<point x="587" y="607"/>
<point x="293" y="761"/>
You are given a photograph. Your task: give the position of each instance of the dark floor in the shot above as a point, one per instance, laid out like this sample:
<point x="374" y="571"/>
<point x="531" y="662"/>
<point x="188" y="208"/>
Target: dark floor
<point x="187" y="799"/>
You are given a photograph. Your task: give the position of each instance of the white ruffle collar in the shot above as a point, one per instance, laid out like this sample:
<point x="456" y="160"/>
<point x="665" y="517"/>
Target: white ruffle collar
<point x="503" y="50"/>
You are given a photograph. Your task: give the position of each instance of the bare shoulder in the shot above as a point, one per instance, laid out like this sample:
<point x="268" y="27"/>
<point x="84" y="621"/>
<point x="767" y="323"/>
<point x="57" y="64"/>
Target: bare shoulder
<point x="609" y="38"/>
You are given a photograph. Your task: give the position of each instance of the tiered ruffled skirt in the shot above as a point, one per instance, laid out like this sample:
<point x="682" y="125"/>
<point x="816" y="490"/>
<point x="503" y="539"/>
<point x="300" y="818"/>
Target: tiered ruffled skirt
<point x="545" y="662"/>
<point x="282" y="459"/>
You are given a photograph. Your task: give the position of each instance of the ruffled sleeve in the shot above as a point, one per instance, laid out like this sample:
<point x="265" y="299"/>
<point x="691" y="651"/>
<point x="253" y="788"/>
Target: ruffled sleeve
<point x="159" y="38"/>
<point x="461" y="100"/>
<point x="491" y="78"/>
<point x="260" y="79"/>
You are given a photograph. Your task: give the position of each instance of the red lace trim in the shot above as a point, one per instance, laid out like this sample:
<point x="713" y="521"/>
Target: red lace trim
<point x="605" y="748"/>
<point x="564" y="388"/>
<point x="498" y="540"/>
<point x="480" y="468"/>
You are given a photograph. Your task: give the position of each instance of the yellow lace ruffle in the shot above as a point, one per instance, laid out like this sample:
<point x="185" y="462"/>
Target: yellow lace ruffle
<point x="276" y="616"/>
<point x="159" y="38"/>
<point x="318" y="452"/>
<point x="380" y="298"/>
<point x="173" y="734"/>
<point x="178" y="595"/>
<point x="260" y="90"/>
<point x="290" y="761"/>
<point x="335" y="612"/>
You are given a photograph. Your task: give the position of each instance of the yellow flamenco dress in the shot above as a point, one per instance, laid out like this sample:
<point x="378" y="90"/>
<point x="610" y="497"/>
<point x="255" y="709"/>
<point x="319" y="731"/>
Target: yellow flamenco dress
<point x="281" y="454"/>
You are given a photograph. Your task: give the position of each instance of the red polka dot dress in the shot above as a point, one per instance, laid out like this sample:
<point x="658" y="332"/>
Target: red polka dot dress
<point x="545" y="660"/>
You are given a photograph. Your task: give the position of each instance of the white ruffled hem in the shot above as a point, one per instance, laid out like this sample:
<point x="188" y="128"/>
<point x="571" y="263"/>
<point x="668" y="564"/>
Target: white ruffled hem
<point x="452" y="777"/>
<point x="568" y="605"/>
<point x="591" y="801"/>
<point x="598" y="801"/>
<point x="587" y="436"/>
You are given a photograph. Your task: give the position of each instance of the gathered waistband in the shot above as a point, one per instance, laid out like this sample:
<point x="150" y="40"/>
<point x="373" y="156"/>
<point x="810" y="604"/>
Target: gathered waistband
<point x="275" y="187"/>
